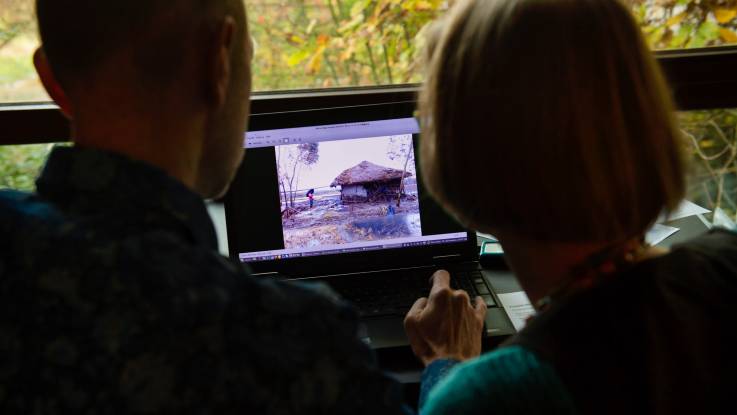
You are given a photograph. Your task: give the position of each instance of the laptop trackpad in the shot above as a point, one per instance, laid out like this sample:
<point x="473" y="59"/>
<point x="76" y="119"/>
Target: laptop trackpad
<point x="383" y="333"/>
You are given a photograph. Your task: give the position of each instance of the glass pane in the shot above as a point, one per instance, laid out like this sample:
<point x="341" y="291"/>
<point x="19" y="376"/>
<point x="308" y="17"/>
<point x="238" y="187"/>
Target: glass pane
<point x="20" y="165"/>
<point x="18" y="40"/>
<point x="329" y="43"/>
<point x="712" y="142"/>
<point x="337" y="43"/>
<point x="674" y="24"/>
<point x="334" y="43"/>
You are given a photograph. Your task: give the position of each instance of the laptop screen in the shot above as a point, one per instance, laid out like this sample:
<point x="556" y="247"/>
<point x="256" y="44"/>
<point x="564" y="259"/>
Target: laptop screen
<point x="344" y="189"/>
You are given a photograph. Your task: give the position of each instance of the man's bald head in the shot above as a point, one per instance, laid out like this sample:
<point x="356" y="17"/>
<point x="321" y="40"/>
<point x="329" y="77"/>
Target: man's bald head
<point x="79" y="36"/>
<point x="162" y="81"/>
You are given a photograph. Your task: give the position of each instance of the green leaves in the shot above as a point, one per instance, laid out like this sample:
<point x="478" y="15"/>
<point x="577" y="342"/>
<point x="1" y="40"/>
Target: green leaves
<point x="670" y="24"/>
<point x="725" y="15"/>
<point x="20" y="165"/>
<point x="298" y="57"/>
<point x="338" y="42"/>
<point x="319" y="43"/>
<point x="705" y="35"/>
<point x="727" y="35"/>
<point x="359" y="7"/>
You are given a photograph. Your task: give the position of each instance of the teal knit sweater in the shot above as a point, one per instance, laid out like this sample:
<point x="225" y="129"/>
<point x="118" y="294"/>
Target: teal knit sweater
<point x="511" y="380"/>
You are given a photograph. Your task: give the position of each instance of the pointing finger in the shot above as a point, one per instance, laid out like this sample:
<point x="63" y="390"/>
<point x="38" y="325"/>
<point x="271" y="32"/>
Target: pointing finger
<point x="480" y="308"/>
<point x="440" y="281"/>
<point x="416" y="310"/>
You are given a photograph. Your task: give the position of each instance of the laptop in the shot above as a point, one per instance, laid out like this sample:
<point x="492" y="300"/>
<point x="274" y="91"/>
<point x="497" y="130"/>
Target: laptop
<point x="335" y="195"/>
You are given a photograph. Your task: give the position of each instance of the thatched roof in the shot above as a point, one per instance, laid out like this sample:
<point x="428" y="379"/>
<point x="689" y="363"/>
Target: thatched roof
<point x="368" y="172"/>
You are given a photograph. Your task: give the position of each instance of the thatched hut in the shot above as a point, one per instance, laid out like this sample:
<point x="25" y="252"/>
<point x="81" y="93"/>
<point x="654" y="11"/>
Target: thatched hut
<point x="368" y="182"/>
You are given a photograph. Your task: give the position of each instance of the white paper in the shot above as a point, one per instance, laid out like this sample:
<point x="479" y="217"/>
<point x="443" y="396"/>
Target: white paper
<point x="684" y="210"/>
<point x="518" y="308"/>
<point x="722" y="220"/>
<point x="658" y="233"/>
<point x="486" y="236"/>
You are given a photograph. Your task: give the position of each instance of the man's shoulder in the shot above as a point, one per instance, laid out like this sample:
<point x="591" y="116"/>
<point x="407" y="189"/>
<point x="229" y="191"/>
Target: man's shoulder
<point x="19" y="206"/>
<point x="311" y="312"/>
<point x="155" y="308"/>
<point x="160" y="254"/>
<point x="9" y="198"/>
<point x="23" y="217"/>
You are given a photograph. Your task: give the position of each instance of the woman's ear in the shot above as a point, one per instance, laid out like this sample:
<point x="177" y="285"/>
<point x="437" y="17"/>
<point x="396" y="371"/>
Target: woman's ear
<point x="50" y="83"/>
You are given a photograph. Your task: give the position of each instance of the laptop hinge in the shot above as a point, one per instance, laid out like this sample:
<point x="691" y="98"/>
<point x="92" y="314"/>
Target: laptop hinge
<point x="353" y="274"/>
<point x="267" y="274"/>
<point x="446" y="259"/>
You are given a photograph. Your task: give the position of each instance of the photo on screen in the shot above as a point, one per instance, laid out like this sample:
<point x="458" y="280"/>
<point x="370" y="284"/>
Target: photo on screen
<point x="341" y="192"/>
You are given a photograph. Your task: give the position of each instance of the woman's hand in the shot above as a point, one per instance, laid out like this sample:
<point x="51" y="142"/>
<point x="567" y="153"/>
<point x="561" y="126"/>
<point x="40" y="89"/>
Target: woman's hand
<point x="445" y="325"/>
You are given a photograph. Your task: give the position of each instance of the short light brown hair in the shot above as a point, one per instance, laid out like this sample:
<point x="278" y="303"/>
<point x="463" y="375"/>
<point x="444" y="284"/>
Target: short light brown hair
<point x="549" y="119"/>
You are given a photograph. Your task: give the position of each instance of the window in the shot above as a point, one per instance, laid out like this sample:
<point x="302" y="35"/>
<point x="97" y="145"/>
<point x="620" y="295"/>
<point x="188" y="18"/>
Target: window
<point x="670" y="24"/>
<point x="304" y="44"/>
<point x="334" y="43"/>
<point x="18" y="40"/>
<point x="312" y="44"/>
<point x="712" y="141"/>
<point x="19" y="165"/>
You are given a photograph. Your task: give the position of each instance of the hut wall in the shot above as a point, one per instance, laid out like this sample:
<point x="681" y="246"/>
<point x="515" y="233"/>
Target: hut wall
<point x="353" y="193"/>
<point x="382" y="191"/>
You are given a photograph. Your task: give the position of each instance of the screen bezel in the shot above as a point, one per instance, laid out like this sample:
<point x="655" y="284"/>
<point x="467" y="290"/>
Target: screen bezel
<point x="350" y="262"/>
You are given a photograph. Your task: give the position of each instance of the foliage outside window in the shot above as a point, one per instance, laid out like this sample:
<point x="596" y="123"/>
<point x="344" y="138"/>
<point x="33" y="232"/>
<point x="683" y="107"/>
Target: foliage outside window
<point x="18" y="39"/>
<point x="340" y="43"/>
<point x="333" y="43"/>
<point x="711" y="137"/>
<point x="19" y="165"/>
<point x="670" y="24"/>
<point x="329" y="43"/>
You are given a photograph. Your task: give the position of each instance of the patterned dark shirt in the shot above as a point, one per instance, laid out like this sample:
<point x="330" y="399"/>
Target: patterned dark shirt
<point x="113" y="299"/>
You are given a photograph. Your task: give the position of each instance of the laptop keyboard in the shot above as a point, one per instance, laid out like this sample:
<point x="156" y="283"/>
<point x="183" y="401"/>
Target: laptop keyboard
<point x="392" y="293"/>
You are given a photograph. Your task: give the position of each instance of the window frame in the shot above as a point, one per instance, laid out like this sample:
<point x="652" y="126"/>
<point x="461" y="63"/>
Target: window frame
<point x="700" y="79"/>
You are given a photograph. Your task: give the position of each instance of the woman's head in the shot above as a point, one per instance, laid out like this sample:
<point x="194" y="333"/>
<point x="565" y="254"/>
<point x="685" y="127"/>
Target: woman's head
<point x="549" y="119"/>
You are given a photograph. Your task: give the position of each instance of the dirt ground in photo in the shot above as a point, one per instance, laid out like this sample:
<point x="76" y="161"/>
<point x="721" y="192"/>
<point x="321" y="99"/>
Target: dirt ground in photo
<point x="330" y="222"/>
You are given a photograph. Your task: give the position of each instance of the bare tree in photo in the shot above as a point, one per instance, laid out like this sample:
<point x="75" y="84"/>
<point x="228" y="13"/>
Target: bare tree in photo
<point x="287" y="160"/>
<point x="282" y="179"/>
<point x="401" y="148"/>
<point x="309" y="155"/>
<point x="290" y="160"/>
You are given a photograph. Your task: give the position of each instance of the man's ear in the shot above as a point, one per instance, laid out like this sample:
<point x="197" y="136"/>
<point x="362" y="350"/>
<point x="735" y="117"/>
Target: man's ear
<point x="50" y="83"/>
<point x="218" y="82"/>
